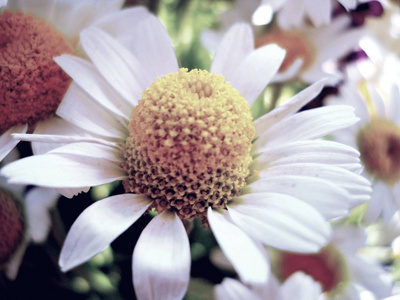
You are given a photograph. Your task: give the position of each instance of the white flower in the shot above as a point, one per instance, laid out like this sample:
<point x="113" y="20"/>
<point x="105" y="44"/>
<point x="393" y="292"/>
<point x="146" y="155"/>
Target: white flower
<point x="181" y="142"/>
<point x="298" y="286"/>
<point x="342" y="272"/>
<point x="377" y="137"/>
<point x="31" y="38"/>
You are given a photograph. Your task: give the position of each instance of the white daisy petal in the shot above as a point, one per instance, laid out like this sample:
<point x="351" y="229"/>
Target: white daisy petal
<point x="12" y="267"/>
<point x="155" y="50"/>
<point x="161" y="259"/>
<point x="90" y="116"/>
<point x="375" y="205"/>
<point x="291" y="15"/>
<point x="319" y="12"/>
<point x="358" y="187"/>
<point x="98" y="225"/>
<point x="38" y="202"/>
<point x="301" y="285"/>
<point x="87" y="77"/>
<point x="7" y="142"/>
<point x="319" y="151"/>
<point x="348" y="4"/>
<point x="61" y="139"/>
<point x="289" y="108"/>
<point x="291" y="72"/>
<point x="236" y="45"/>
<point x="281" y="221"/>
<point x="393" y="110"/>
<point x="369" y="274"/>
<point x="256" y="70"/>
<point x="44" y="170"/>
<point x="334" y="203"/>
<point x="115" y="63"/>
<point x="340" y="238"/>
<point x="231" y="289"/>
<point x="52" y="126"/>
<point x="247" y="259"/>
<point x="310" y="124"/>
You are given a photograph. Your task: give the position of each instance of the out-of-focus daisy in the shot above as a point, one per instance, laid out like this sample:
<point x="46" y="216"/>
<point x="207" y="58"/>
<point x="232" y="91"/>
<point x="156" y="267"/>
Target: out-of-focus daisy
<point x="341" y="271"/>
<point x="23" y="218"/>
<point x="295" y="13"/>
<point x="297" y="286"/>
<point x="182" y="142"/>
<point x="311" y="52"/>
<point x="377" y="137"/>
<point x="33" y="32"/>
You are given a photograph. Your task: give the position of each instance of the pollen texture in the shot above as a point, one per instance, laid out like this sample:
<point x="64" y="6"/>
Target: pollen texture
<point x="189" y="143"/>
<point x="379" y="145"/>
<point x="327" y="267"/>
<point x="12" y="226"/>
<point x="32" y="84"/>
<point x="296" y="45"/>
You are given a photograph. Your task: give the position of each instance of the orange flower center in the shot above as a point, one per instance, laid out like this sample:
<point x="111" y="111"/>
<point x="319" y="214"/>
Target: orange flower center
<point x="12" y="226"/>
<point x="32" y="85"/>
<point x="379" y="145"/>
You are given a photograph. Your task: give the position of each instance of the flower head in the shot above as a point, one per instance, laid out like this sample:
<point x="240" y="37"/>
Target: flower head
<point x="185" y="145"/>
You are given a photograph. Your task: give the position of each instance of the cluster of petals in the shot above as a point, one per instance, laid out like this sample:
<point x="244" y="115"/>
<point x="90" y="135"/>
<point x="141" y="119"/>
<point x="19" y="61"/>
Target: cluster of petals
<point x="301" y="181"/>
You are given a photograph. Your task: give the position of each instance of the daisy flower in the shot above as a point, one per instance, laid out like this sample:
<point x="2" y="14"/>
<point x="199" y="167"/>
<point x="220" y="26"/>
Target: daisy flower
<point x="341" y="271"/>
<point x="182" y="142"/>
<point x="297" y="286"/>
<point x="295" y="13"/>
<point x="377" y="137"/>
<point x="311" y="52"/>
<point x="32" y="33"/>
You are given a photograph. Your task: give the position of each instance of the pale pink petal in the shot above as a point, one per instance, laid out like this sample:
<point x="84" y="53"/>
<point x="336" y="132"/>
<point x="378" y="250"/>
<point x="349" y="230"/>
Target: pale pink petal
<point x="289" y="108"/>
<point x="98" y="225"/>
<point x="161" y="259"/>
<point x="281" y="221"/>
<point x="86" y="76"/>
<point x="58" y="171"/>
<point x="300" y="286"/>
<point x="38" y="203"/>
<point x="7" y="142"/>
<point x="256" y="70"/>
<point x="247" y="259"/>
<point x="236" y="44"/>
<point x="90" y="116"/>
<point x="319" y="11"/>
<point x="231" y="289"/>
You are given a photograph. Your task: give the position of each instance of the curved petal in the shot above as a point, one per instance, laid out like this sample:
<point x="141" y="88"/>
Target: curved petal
<point x="52" y="126"/>
<point x="155" y="50"/>
<point x="281" y="221"/>
<point x="318" y="151"/>
<point x="307" y="125"/>
<point x="288" y="108"/>
<point x="236" y="44"/>
<point x="86" y="76"/>
<point x="256" y="70"/>
<point x="7" y="142"/>
<point x="231" y="289"/>
<point x="161" y="259"/>
<point x="247" y="259"/>
<point x="329" y="199"/>
<point x="358" y="188"/>
<point x="38" y="202"/>
<point x="115" y="63"/>
<point x="58" y="171"/>
<point x="90" y="116"/>
<point x="319" y="12"/>
<point x="98" y="225"/>
<point x="301" y="287"/>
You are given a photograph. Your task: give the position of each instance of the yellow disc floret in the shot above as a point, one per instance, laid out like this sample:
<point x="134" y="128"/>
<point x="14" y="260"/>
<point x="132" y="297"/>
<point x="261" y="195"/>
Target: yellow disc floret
<point x="189" y="143"/>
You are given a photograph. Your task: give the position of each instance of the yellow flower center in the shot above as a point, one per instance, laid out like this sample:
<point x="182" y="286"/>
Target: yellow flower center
<point x="379" y="145"/>
<point x="32" y="85"/>
<point x="12" y="226"/>
<point x="189" y="143"/>
<point x="327" y="267"/>
<point x="295" y="44"/>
